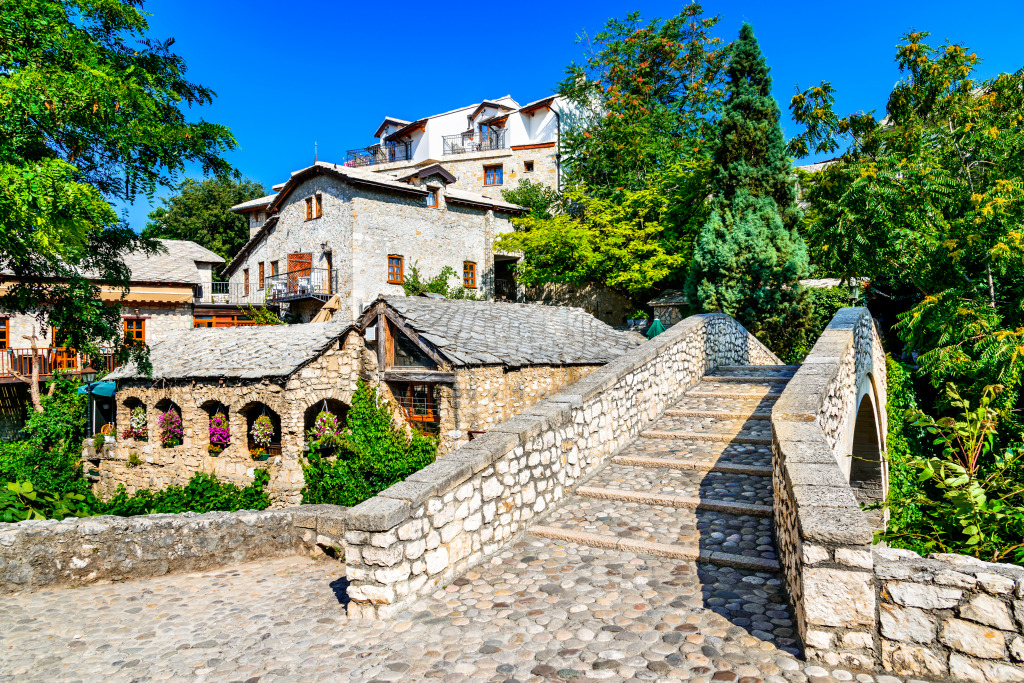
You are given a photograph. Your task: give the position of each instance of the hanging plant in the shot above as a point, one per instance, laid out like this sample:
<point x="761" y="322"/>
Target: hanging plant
<point x="171" y="432"/>
<point x="220" y="435"/>
<point x="262" y="434"/>
<point x="136" y="425"/>
<point x="326" y="434"/>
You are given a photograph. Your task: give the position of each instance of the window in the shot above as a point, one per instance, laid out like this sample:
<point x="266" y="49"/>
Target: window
<point x="5" y="333"/>
<point x="492" y="175"/>
<point x="273" y="267"/>
<point x="417" y="401"/>
<point x="432" y="199"/>
<point x="259" y="283"/>
<point x="395" y="276"/>
<point x="319" y="205"/>
<point x="245" y="278"/>
<point x="469" y="274"/>
<point x="528" y="166"/>
<point x="309" y="208"/>
<point x="134" y="329"/>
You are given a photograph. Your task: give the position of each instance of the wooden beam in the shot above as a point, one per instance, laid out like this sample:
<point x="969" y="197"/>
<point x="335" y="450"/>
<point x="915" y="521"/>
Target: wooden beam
<point x="382" y="339"/>
<point x="419" y="376"/>
<point x="426" y="346"/>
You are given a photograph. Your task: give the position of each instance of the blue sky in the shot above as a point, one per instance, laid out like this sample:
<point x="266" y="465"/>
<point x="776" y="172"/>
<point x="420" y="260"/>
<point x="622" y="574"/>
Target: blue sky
<point x="292" y="72"/>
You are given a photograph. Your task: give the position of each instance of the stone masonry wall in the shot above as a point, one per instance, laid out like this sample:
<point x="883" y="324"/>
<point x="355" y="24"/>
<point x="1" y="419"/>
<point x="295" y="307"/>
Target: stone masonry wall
<point x="468" y="169"/>
<point x="332" y="375"/>
<point x="49" y="553"/>
<point x="950" y="616"/>
<point x="823" y="537"/>
<point x="487" y="396"/>
<point x="425" y="531"/>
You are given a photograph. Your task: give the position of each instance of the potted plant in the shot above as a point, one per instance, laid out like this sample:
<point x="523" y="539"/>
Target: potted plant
<point x="136" y="425"/>
<point x="171" y="432"/>
<point x="637" y="318"/>
<point x="262" y="433"/>
<point x="326" y="435"/>
<point x="220" y="435"/>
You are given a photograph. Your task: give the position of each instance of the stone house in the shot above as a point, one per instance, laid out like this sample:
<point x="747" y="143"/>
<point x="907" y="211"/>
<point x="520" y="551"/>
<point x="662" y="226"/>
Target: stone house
<point x="452" y="368"/>
<point x="162" y="297"/>
<point x="334" y="230"/>
<point x="485" y="145"/>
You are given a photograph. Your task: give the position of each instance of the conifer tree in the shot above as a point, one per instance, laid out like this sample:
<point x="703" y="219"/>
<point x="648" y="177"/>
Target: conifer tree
<point x="749" y="257"/>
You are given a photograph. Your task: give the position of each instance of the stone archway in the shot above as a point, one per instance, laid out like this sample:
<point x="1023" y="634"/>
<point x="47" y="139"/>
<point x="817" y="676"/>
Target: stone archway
<point x="868" y="468"/>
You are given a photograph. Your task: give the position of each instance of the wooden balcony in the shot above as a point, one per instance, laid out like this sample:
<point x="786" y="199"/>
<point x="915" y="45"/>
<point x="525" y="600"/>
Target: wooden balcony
<point x="14" y="362"/>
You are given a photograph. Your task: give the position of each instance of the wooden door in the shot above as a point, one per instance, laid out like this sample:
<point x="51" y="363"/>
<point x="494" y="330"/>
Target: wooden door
<point x="299" y="266"/>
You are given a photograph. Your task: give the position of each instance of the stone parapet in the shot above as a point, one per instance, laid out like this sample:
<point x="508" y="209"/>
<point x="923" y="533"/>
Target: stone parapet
<point x="425" y="531"/>
<point x="50" y="553"/>
<point x="950" y="616"/>
<point x="823" y="537"/>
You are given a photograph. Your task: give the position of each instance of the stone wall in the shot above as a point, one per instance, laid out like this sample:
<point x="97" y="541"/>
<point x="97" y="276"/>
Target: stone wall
<point x="487" y="396"/>
<point x="468" y="169"/>
<point x="332" y="375"/>
<point x="49" y="553"/>
<point x="599" y="301"/>
<point x="823" y="537"/>
<point x="950" y="616"/>
<point x="425" y="531"/>
<point x="160" y="318"/>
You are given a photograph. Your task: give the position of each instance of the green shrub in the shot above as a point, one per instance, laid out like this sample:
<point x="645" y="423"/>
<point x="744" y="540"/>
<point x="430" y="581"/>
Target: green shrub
<point x="20" y="501"/>
<point x="371" y="455"/>
<point x="414" y="285"/>
<point x="203" y="493"/>
<point x="905" y="442"/>
<point x="824" y="303"/>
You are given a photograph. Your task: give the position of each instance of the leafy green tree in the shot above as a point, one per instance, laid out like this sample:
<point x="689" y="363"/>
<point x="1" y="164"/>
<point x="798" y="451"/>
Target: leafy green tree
<point x="90" y="111"/>
<point x="644" y="98"/>
<point x="540" y="199"/>
<point x="749" y="257"/>
<point x="631" y="242"/>
<point x="200" y="212"/>
<point x="415" y="284"/>
<point x="931" y="201"/>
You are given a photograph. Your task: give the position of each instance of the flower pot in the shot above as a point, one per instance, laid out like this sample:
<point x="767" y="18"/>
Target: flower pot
<point x="262" y="457"/>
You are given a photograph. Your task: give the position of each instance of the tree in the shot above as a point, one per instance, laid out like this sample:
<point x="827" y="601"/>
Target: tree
<point x="931" y="200"/>
<point x="749" y="257"/>
<point x="639" y="110"/>
<point x="200" y="212"/>
<point x="414" y="284"/>
<point x="541" y="200"/>
<point x="85" y="118"/>
<point x="645" y="97"/>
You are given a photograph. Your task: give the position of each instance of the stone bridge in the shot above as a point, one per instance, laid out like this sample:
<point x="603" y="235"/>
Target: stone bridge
<point x="691" y="511"/>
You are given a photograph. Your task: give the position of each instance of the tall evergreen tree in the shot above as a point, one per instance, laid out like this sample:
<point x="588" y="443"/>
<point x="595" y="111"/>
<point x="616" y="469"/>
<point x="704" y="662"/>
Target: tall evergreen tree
<point x="749" y="257"/>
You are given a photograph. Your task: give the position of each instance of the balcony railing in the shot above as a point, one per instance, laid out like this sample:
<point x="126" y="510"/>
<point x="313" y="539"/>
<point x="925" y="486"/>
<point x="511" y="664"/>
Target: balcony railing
<point x="15" y="362"/>
<point x="464" y="143"/>
<point x="305" y="283"/>
<point x="234" y="293"/>
<point x="379" y="154"/>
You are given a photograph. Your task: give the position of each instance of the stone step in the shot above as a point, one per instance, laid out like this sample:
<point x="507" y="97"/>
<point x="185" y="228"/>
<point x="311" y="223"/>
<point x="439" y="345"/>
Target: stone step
<point x="749" y="379"/>
<point x="757" y="368"/>
<point x="719" y="414"/>
<point x="667" y="500"/>
<point x="716" y="402"/>
<point x="710" y="392"/>
<point x="736" y="429"/>
<point x="691" y="484"/>
<point x="698" y="466"/>
<point x="725" y="437"/>
<point x="743" y="541"/>
<point x="702" y="455"/>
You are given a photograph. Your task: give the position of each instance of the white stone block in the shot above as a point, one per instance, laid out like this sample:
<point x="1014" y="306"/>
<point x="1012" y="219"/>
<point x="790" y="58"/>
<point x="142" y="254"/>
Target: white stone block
<point x="973" y="639"/>
<point x="987" y="610"/>
<point x="928" y="597"/>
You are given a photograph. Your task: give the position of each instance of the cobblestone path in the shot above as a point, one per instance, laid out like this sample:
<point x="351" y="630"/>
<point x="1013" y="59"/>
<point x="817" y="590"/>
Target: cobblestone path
<point x="660" y="568"/>
<point x="695" y="486"/>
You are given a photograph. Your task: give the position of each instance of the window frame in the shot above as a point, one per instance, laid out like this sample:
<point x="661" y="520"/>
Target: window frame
<point x="469" y="269"/>
<point x="274" y="268"/>
<point x="245" y="280"/>
<point x="400" y="263"/>
<point x="528" y="166"/>
<point x="309" y="208"/>
<point x="141" y="325"/>
<point x="432" y="199"/>
<point x="408" y="403"/>
<point x="259" y="283"/>
<point x="319" y="203"/>
<point x="5" y="333"/>
<point x="499" y="169"/>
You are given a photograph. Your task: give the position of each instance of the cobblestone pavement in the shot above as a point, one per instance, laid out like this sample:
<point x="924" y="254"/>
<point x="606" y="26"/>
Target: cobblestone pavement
<point x="542" y="611"/>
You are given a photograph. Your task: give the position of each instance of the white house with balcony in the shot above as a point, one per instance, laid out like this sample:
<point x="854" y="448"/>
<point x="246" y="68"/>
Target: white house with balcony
<point x="486" y="145"/>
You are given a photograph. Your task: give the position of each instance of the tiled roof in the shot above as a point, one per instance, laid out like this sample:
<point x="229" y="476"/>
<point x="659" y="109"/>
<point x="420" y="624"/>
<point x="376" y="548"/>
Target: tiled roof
<point x="178" y="265"/>
<point x="516" y="335"/>
<point x="254" y="203"/>
<point x="239" y="352"/>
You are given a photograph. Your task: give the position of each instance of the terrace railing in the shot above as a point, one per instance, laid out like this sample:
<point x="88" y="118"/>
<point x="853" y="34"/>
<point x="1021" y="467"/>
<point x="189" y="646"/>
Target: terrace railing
<point x="463" y="143"/>
<point x="18" y="361"/>
<point x="386" y="153"/>
<point x="305" y="283"/>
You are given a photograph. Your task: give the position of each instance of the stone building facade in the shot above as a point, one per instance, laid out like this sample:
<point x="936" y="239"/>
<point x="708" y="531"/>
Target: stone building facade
<point x="342" y="228"/>
<point x="462" y="368"/>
